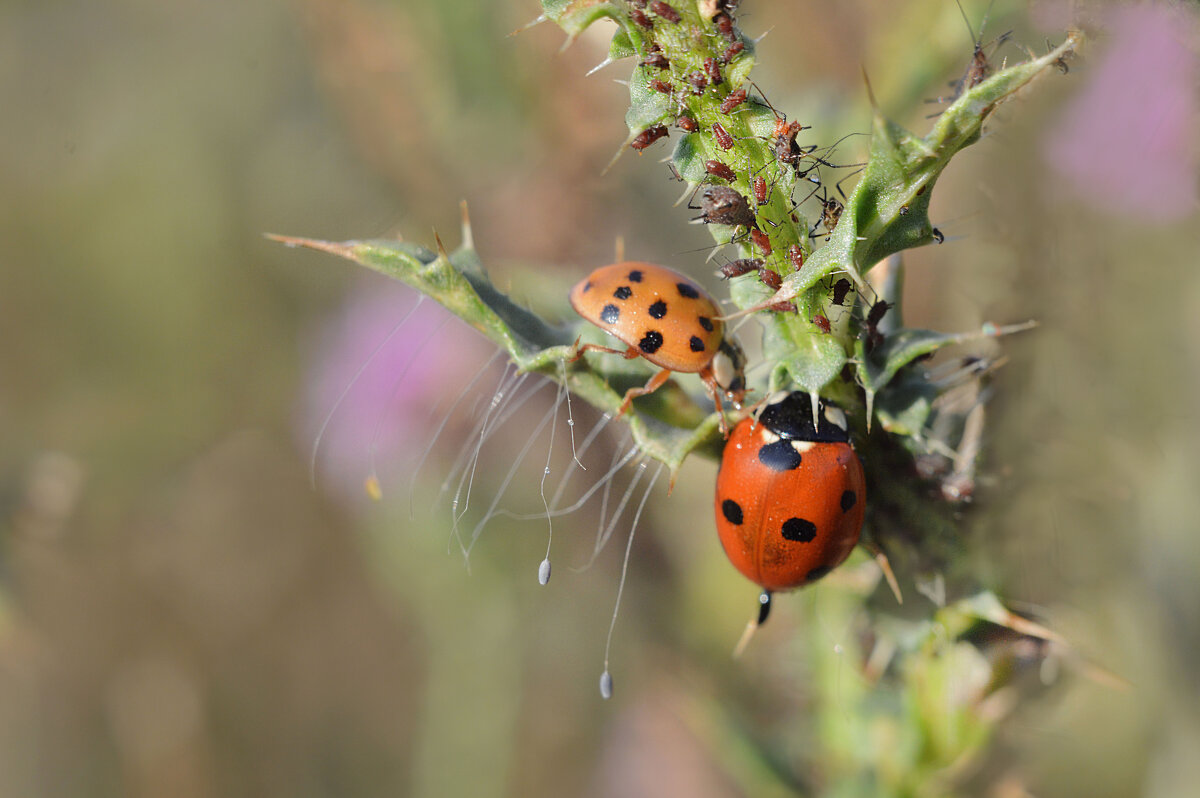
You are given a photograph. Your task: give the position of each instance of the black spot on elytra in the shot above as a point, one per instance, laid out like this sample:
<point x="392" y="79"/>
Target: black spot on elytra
<point x="688" y="291"/>
<point x="732" y="511"/>
<point x="848" y="500"/>
<point x="817" y="573"/>
<point x="650" y="342"/>
<point x="799" y="530"/>
<point x="635" y="276"/>
<point x="696" y="344"/>
<point x="658" y="309"/>
<point x="779" y="456"/>
<point x="706" y="323"/>
<point x="610" y="314"/>
<point x="624" y="292"/>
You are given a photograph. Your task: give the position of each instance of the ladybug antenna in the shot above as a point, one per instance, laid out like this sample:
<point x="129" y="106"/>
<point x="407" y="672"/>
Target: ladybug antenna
<point x="606" y="682"/>
<point x="764" y="611"/>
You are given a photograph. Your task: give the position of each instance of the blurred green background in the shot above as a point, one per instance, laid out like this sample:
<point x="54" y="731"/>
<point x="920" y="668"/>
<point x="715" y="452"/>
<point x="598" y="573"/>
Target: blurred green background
<point x="182" y="614"/>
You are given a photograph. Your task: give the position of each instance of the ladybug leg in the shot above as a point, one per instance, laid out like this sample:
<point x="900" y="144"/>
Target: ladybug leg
<point x="885" y="565"/>
<point x="653" y="385"/>
<point x="714" y="391"/>
<point x="764" y="611"/>
<point x="579" y="350"/>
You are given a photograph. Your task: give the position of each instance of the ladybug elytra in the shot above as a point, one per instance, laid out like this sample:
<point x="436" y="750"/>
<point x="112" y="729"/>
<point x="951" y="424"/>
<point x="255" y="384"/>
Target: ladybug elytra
<point x="790" y="496"/>
<point x="666" y="318"/>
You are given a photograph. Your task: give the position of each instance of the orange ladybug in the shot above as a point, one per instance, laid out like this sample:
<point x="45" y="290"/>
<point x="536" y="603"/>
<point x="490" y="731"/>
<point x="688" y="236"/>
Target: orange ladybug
<point x="668" y="319"/>
<point x="790" y="496"/>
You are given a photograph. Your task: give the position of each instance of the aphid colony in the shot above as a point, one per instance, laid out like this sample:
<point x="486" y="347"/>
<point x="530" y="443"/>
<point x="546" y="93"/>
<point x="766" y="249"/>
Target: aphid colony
<point x="728" y="193"/>
<point x="790" y="495"/>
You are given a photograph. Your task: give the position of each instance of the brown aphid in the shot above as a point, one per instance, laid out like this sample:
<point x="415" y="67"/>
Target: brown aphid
<point x="660" y="86"/>
<point x="737" y="268"/>
<point x="821" y="322"/>
<point x="783" y="142"/>
<point x="761" y="193"/>
<point x="732" y="51"/>
<point x="685" y="122"/>
<point x="698" y="80"/>
<point x="761" y="240"/>
<point x="640" y="18"/>
<point x="656" y="59"/>
<point x="770" y="279"/>
<point x="831" y="214"/>
<point x="796" y="256"/>
<point x="665" y="11"/>
<point x="713" y="70"/>
<point x="718" y="169"/>
<point x="840" y="289"/>
<point x="648" y="136"/>
<point x="724" y="24"/>
<point x="723" y="205"/>
<point x="722" y="137"/>
<point x="733" y="100"/>
<point x="874" y="316"/>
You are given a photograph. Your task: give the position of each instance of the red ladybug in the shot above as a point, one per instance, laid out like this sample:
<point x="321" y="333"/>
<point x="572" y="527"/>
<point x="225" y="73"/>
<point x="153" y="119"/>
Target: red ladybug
<point x="790" y="496"/>
<point x="666" y="318"/>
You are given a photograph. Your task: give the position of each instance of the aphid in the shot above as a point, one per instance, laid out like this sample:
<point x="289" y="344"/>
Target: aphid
<point x="656" y="59"/>
<point x="718" y="169"/>
<point x="821" y="322"/>
<point x="665" y="11"/>
<point x="761" y="240"/>
<point x="733" y="100"/>
<point x="796" y="256"/>
<point x="875" y="315"/>
<point x="790" y="496"/>
<point x="980" y="68"/>
<point x="641" y="19"/>
<point x="770" y="279"/>
<point x="759" y="187"/>
<point x="685" y="122"/>
<point x="648" y="136"/>
<point x="732" y="51"/>
<point x="840" y="289"/>
<point x="724" y="24"/>
<point x="713" y="70"/>
<point x="659" y="85"/>
<point x="698" y="80"/>
<point x="666" y="318"/>
<point x="831" y="213"/>
<point x="723" y="205"/>
<point x="722" y="137"/>
<point x="737" y="268"/>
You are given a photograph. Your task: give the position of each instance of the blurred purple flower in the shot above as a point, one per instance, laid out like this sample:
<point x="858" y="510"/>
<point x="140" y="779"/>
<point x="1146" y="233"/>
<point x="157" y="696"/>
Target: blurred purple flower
<point x="1127" y="141"/>
<point x="412" y="358"/>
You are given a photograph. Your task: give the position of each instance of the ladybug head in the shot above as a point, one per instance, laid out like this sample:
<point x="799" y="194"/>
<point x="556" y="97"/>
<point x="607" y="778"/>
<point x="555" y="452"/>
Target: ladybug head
<point x="791" y="417"/>
<point x="729" y="367"/>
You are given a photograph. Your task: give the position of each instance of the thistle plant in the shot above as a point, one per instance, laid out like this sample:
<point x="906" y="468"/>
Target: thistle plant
<point x="826" y="291"/>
